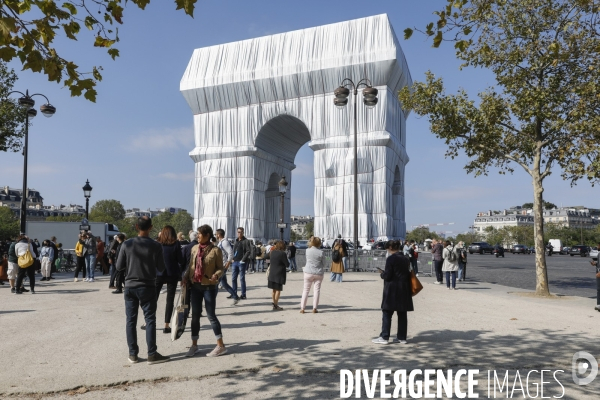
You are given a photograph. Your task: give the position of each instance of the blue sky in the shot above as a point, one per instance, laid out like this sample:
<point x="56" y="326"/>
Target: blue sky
<point x="133" y="144"/>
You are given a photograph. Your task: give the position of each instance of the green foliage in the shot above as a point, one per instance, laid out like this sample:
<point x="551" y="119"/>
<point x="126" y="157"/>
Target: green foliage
<point x="109" y="211"/>
<point x="547" y="205"/>
<point x="127" y="226"/>
<point x="12" y="116"/>
<point x="28" y="29"/>
<point x="309" y="229"/>
<point x="9" y="224"/>
<point x="544" y="112"/>
<point x="294" y="236"/>
<point x="420" y="234"/>
<point x="182" y="222"/>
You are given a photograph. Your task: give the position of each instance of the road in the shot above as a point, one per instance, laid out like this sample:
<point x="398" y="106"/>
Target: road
<point x="573" y="276"/>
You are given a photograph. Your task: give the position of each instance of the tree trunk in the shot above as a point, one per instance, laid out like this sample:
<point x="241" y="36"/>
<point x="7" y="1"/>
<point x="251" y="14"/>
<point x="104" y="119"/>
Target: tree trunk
<point x="541" y="272"/>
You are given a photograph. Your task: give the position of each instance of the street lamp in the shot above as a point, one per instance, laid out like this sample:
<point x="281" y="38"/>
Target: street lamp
<point x="26" y="101"/>
<point x="341" y="100"/>
<point x="87" y="192"/>
<point x="282" y="189"/>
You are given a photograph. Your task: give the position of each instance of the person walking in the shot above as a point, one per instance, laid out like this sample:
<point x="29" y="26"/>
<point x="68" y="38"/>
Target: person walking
<point x="79" y="246"/>
<point x="344" y="245"/>
<point x="437" y="249"/>
<point x="100" y="255"/>
<point x="202" y="276"/>
<point x="89" y="253"/>
<point x="227" y="252"/>
<point x="414" y="259"/>
<point x="186" y="250"/>
<point x="397" y="294"/>
<point x="291" y="255"/>
<point x="47" y="255"/>
<point x="174" y="267"/>
<point x="117" y="281"/>
<point x="241" y="254"/>
<point x="57" y="256"/>
<point x="462" y="261"/>
<point x="337" y="267"/>
<point x="13" y="266"/>
<point x="260" y="257"/>
<point x="21" y="248"/>
<point x="313" y="274"/>
<point x="277" y="271"/>
<point x="139" y="259"/>
<point x="450" y="264"/>
<point x="182" y="240"/>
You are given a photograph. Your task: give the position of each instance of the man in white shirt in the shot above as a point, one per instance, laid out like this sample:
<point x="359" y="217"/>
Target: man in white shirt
<point x="227" y="251"/>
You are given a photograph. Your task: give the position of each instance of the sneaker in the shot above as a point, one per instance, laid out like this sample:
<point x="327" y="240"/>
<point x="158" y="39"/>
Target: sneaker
<point x="75" y="280"/>
<point x="597" y="308"/>
<point x="133" y="359"/>
<point x="243" y="297"/>
<point x="43" y="279"/>
<point x="117" y="292"/>
<point x="91" y="280"/>
<point x="13" y="290"/>
<point x="437" y="283"/>
<point x="85" y="279"/>
<point x="143" y="327"/>
<point x="380" y="340"/>
<point x="157" y="358"/>
<point x="230" y="297"/>
<point x="192" y="351"/>
<point x="33" y="292"/>
<point x="218" y="351"/>
<point x="454" y="288"/>
<point x="235" y="301"/>
<point x="18" y="292"/>
<point x="448" y="288"/>
<point x="24" y="290"/>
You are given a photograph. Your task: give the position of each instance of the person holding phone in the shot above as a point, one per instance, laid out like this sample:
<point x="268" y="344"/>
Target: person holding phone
<point x="397" y="294"/>
<point x="202" y="276"/>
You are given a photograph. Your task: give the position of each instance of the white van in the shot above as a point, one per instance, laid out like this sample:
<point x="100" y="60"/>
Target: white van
<point x="557" y="246"/>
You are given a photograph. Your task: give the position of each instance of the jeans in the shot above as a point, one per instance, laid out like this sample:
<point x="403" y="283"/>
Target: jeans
<point x="438" y="270"/>
<point x="171" y="289"/>
<point x="30" y="271"/>
<point x="80" y="267"/>
<point x="226" y="286"/>
<point x="198" y="294"/>
<point x="309" y="279"/>
<point x="293" y="265"/>
<point x="260" y="265"/>
<point x="145" y="297"/>
<point x="250" y="265"/>
<point x="113" y="274"/>
<point x="335" y="277"/>
<point x="90" y="265"/>
<point x="461" y="270"/>
<point x="415" y="266"/>
<point x="453" y="273"/>
<point x="345" y="262"/>
<point x="386" y="324"/>
<point x="237" y="268"/>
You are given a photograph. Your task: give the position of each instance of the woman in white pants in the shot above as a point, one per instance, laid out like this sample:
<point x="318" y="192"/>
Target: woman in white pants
<point x="47" y="255"/>
<point x="313" y="273"/>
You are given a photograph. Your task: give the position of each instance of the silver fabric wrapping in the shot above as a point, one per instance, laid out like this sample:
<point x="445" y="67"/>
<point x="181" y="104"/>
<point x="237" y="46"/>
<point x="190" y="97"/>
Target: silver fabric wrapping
<point x="256" y="102"/>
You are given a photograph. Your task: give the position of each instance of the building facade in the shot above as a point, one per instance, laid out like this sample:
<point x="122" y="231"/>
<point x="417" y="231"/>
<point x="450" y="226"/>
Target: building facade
<point x="298" y="224"/>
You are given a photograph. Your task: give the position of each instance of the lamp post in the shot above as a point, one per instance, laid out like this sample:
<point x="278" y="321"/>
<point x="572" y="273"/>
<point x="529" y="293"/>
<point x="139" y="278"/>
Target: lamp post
<point x="87" y="192"/>
<point x="282" y="189"/>
<point x="341" y="100"/>
<point x="47" y="110"/>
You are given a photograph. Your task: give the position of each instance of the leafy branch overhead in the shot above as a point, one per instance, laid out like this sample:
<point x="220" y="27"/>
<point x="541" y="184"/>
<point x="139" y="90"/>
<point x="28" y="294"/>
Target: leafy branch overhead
<point x="28" y="29"/>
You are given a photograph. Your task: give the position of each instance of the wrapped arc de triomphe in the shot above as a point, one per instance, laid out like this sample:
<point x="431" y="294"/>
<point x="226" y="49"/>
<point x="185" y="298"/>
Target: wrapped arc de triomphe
<point x="257" y="101"/>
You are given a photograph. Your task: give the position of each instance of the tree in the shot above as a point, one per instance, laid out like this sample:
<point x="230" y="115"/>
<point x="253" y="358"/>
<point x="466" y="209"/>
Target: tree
<point x="309" y="229"/>
<point x="544" y="114"/>
<point x="109" y="211"/>
<point x="547" y="205"/>
<point x="9" y="224"/>
<point x="12" y="116"/>
<point x="182" y="222"/>
<point x="127" y="226"/>
<point x="294" y="236"/>
<point x="28" y="29"/>
<point x="66" y="218"/>
<point x="420" y="234"/>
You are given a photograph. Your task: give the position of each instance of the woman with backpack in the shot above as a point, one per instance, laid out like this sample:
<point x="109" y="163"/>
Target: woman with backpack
<point x="21" y="248"/>
<point x="337" y="264"/>
<point x="450" y="265"/>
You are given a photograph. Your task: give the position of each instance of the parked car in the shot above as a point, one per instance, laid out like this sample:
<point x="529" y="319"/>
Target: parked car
<point x="566" y="250"/>
<point x="520" y="249"/>
<point x="301" y="244"/>
<point x="580" y="250"/>
<point x="532" y="249"/>
<point x="594" y="252"/>
<point x="480" y="247"/>
<point x="498" y="251"/>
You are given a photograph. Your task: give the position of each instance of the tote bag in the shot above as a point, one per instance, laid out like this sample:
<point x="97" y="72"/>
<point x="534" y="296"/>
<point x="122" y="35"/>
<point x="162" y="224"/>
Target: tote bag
<point x="415" y="284"/>
<point x="180" y="314"/>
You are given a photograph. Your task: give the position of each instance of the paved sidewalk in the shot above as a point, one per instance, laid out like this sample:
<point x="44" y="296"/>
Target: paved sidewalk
<point x="70" y="336"/>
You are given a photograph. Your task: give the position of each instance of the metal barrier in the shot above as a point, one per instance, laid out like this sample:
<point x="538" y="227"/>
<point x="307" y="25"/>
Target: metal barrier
<point x="425" y="263"/>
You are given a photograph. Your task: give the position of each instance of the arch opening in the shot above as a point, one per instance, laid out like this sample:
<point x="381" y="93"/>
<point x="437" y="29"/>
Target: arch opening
<point x="283" y="136"/>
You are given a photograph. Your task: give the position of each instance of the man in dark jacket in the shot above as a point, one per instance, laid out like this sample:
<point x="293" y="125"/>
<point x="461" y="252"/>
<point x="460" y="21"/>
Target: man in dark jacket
<point x="241" y="255"/>
<point x="438" y="261"/>
<point x="140" y="258"/>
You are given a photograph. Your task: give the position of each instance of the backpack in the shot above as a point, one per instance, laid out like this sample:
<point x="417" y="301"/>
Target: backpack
<point x="26" y="259"/>
<point x="452" y="256"/>
<point x="336" y="255"/>
<point x="258" y="251"/>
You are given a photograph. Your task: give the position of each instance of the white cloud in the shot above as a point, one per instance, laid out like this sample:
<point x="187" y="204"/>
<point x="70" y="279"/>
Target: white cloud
<point x="177" y="176"/>
<point x="162" y="139"/>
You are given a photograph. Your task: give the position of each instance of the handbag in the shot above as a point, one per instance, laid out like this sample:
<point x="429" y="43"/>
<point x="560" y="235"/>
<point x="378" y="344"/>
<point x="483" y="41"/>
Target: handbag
<point x="180" y="314"/>
<point x="415" y="284"/>
<point x="25" y="260"/>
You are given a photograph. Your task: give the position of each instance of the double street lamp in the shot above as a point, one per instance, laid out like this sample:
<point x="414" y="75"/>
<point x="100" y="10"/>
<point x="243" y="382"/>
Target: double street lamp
<point x="370" y="100"/>
<point x="282" y="189"/>
<point x="26" y="101"/>
<point x="87" y="193"/>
